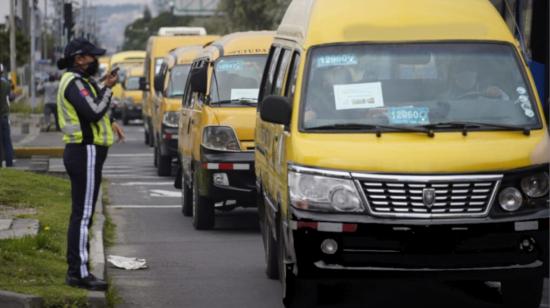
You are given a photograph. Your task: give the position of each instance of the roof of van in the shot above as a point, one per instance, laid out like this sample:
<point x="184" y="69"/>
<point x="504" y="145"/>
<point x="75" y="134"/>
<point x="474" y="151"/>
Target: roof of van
<point x="162" y="45"/>
<point x="128" y="56"/>
<point x="316" y="22"/>
<point x="240" y="43"/>
<point x="136" y="71"/>
<point x="183" y="55"/>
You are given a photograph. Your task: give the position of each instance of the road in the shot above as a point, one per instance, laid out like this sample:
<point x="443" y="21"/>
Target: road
<point x="223" y="267"/>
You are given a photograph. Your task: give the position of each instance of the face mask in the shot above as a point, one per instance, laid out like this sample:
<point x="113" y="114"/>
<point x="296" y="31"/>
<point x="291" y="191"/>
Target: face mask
<point x="92" y="68"/>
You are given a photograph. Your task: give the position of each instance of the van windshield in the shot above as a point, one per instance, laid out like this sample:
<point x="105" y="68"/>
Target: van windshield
<point x="132" y="83"/>
<point x="178" y="77"/>
<point x="412" y="85"/>
<point x="236" y="79"/>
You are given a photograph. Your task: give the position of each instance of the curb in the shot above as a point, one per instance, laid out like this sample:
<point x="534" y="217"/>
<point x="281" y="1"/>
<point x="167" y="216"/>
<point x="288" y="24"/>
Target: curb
<point x="28" y="152"/>
<point x="16" y="300"/>
<point x="97" y="254"/>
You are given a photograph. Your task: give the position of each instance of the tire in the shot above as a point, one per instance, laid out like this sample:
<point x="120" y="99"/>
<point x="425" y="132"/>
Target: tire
<point x="270" y="246"/>
<point x="125" y="120"/>
<point x="524" y="293"/>
<point x="151" y="139"/>
<point x="203" y="209"/>
<point x="186" y="198"/>
<point x="295" y="292"/>
<point x="164" y="165"/>
<point x="156" y="157"/>
<point x="146" y="136"/>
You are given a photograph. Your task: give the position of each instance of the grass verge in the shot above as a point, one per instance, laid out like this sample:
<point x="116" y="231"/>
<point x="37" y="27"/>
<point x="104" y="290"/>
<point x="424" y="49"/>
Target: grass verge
<point x="37" y="265"/>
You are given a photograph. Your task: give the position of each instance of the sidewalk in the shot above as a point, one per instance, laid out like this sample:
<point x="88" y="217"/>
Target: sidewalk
<point x="28" y="140"/>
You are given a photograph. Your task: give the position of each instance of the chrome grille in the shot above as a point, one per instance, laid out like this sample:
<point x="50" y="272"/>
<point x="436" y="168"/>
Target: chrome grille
<point x="429" y="196"/>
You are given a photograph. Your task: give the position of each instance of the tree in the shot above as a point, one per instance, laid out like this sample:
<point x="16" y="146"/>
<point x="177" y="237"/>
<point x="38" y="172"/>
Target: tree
<point x="137" y="33"/>
<point x="243" y="15"/>
<point x="22" y="46"/>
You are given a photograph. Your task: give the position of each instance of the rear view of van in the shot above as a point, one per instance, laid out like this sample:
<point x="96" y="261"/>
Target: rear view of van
<point x="405" y="140"/>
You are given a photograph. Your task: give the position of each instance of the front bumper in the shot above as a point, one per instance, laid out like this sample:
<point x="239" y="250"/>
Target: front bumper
<point x="238" y="167"/>
<point x="484" y="251"/>
<point x="132" y="112"/>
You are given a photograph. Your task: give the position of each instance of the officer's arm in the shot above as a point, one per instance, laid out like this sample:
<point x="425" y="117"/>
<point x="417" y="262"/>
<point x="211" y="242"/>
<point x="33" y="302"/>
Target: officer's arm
<point x="90" y="108"/>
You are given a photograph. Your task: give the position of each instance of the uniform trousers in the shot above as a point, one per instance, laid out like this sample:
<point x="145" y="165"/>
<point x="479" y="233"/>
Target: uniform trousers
<point x="84" y="165"/>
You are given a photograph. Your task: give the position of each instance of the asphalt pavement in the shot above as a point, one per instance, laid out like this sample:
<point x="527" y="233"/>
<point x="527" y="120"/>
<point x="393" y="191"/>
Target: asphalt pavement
<point x="224" y="267"/>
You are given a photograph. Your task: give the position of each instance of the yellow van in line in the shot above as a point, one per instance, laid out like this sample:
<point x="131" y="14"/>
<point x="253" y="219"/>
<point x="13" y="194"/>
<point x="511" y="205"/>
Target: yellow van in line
<point x="174" y="72"/>
<point x="131" y="95"/>
<point x="405" y="139"/>
<point x="157" y="48"/>
<point x="125" y="60"/>
<point x="216" y="141"/>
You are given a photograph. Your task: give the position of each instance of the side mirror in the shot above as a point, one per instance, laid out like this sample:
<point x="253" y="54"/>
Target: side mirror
<point x="199" y="79"/>
<point x="159" y="83"/>
<point x="143" y="84"/>
<point x="276" y="109"/>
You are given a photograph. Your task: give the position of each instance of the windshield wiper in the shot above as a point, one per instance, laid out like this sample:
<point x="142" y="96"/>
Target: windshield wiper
<point x="242" y="101"/>
<point x="467" y="124"/>
<point x="377" y="127"/>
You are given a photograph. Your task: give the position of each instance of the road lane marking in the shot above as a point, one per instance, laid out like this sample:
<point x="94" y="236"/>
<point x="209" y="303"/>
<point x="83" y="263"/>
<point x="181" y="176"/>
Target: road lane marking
<point x="164" y="193"/>
<point x="144" y="206"/>
<point x="130" y="176"/>
<point x="144" y="183"/>
<point x="132" y="155"/>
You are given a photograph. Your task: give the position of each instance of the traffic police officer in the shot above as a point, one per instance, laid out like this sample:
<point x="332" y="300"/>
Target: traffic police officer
<point x="83" y="111"/>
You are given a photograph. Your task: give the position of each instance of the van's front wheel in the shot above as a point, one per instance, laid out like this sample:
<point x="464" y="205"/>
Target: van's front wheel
<point x="186" y="198"/>
<point x="525" y="293"/>
<point x="203" y="209"/>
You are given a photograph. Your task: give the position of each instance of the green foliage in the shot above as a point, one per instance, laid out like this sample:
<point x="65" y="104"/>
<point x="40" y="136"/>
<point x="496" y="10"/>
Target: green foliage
<point x="137" y="33"/>
<point x="245" y="15"/>
<point x="22" y="46"/>
<point x="36" y="265"/>
<point x="233" y="15"/>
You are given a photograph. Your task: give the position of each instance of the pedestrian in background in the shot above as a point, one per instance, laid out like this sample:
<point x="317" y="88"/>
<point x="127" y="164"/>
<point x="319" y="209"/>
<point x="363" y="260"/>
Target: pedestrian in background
<point x="83" y="111"/>
<point x="50" y="102"/>
<point x="5" y="119"/>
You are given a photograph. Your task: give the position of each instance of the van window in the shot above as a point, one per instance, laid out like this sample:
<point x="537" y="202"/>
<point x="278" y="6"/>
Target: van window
<point x="291" y="80"/>
<point x="132" y="84"/>
<point x="178" y="77"/>
<point x="417" y="84"/>
<point x="236" y="79"/>
<point x="282" y="72"/>
<point x="274" y="60"/>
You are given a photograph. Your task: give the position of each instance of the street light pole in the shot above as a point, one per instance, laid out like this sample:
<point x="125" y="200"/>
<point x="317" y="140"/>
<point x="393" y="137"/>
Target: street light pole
<point x="13" y="63"/>
<point x="33" y="57"/>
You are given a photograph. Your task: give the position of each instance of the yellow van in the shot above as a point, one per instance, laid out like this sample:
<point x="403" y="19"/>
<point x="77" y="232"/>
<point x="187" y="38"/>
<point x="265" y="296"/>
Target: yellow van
<point x="124" y="60"/>
<point x="216" y="141"/>
<point x="157" y="48"/>
<point x="174" y="72"/>
<point x="131" y="95"/>
<point x="404" y="139"/>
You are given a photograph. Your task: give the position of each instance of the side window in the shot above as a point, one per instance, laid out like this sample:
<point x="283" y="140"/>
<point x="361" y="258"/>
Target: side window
<point x="187" y="98"/>
<point x="290" y="87"/>
<point x="282" y="71"/>
<point x="271" y="67"/>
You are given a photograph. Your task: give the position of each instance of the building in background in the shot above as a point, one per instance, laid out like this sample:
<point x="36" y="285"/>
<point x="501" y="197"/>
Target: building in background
<point x="188" y="7"/>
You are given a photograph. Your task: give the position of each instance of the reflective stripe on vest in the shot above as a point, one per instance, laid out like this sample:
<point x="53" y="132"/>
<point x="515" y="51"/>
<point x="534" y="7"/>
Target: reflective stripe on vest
<point x="69" y="121"/>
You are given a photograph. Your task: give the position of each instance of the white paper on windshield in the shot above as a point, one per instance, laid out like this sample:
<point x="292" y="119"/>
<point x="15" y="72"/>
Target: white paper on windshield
<point x="358" y="96"/>
<point x="244" y="93"/>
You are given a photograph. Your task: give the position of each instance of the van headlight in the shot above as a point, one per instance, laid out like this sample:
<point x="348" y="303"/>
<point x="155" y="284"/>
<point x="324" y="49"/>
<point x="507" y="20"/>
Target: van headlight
<point x="171" y="119"/>
<point x="510" y="199"/>
<point x="315" y="192"/>
<point x="221" y="138"/>
<point x="536" y="185"/>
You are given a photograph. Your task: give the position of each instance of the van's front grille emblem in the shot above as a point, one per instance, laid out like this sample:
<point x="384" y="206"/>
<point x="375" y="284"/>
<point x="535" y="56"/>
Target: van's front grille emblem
<point x="428" y="196"/>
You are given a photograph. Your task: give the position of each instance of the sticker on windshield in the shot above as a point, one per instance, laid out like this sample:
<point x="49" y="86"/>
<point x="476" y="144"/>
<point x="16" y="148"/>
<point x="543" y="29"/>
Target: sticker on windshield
<point x="358" y="96"/>
<point x="409" y="115"/>
<point x="336" y="60"/>
<point x="248" y="94"/>
<point x="228" y="66"/>
<point x="521" y="90"/>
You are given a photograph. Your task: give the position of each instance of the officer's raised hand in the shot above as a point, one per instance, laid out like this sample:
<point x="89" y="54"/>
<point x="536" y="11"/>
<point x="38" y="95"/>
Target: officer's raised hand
<point x="111" y="79"/>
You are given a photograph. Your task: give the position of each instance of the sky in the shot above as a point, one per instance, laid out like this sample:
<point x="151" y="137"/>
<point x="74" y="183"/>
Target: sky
<point x="5" y="5"/>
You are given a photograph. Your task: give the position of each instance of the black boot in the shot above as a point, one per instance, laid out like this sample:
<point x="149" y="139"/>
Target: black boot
<point x="90" y="282"/>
